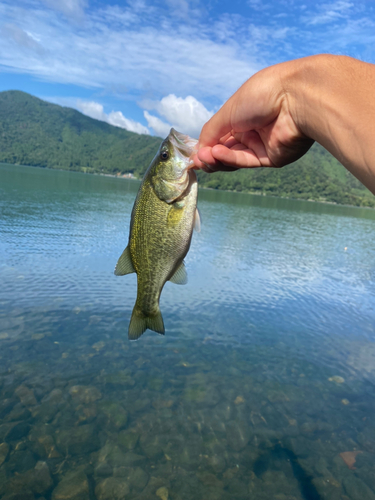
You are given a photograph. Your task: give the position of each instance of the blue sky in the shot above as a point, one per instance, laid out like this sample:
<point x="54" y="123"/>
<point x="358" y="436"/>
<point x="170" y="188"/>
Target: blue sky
<point x="146" y="65"/>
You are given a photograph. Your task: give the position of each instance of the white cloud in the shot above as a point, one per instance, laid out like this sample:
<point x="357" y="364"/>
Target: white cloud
<point x="91" y="109"/>
<point x="185" y="115"/>
<point x="21" y="38"/>
<point x="159" y="127"/>
<point x="135" y="45"/>
<point x="330" y="12"/>
<point x="116" y="118"/>
<point x="141" y="51"/>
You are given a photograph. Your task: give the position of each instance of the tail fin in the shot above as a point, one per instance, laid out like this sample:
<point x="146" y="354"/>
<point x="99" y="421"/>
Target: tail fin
<point x="140" y="322"/>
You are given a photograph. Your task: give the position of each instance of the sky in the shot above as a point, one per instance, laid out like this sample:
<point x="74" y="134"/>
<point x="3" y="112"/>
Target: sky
<point x="148" y="65"/>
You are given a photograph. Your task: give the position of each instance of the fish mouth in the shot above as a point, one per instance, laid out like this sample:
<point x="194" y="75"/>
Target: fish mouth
<point x="182" y="144"/>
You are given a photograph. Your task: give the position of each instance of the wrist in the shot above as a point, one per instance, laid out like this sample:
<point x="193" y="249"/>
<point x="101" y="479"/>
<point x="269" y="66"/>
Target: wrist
<point x="308" y="87"/>
<point x="328" y="100"/>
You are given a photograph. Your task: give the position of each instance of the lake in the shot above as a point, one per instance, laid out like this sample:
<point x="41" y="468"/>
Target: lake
<point x="262" y="388"/>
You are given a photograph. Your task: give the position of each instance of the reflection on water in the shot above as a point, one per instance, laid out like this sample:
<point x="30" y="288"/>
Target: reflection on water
<point x="263" y="386"/>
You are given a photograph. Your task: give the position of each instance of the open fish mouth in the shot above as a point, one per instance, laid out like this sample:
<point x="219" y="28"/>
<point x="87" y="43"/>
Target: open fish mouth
<point x="182" y="144"/>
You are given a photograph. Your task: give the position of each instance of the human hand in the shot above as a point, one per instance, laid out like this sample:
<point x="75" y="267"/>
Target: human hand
<point x="255" y="127"/>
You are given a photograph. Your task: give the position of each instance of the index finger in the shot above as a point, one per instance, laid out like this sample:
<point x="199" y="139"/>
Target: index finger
<point x="218" y="126"/>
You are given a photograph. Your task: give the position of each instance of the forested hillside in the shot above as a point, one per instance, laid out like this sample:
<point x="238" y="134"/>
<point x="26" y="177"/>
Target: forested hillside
<point x="38" y="133"/>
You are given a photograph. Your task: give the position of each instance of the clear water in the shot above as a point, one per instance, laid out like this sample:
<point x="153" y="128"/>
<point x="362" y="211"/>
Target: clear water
<point x="262" y="388"/>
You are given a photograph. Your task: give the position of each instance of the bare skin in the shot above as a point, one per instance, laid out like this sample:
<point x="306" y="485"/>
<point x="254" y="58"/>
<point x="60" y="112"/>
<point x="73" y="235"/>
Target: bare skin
<point x="276" y="116"/>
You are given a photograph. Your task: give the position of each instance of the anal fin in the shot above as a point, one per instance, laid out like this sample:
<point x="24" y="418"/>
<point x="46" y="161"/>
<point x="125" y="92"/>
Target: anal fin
<point x="124" y="264"/>
<point x="180" y="275"/>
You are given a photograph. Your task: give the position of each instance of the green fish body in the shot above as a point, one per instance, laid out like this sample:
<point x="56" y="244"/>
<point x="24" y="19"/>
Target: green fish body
<point x="162" y="221"/>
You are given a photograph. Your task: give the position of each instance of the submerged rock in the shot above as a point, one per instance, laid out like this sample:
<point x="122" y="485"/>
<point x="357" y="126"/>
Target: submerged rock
<point x="20" y="462"/>
<point x="115" y="457"/>
<point x="85" y="394"/>
<point x="327" y="488"/>
<point x="44" y="412"/>
<point x="337" y="379"/>
<point x="19" y="412"/>
<point x="121" y="378"/>
<point x="238" y="434"/>
<point x="42" y="443"/>
<point x="23" y="495"/>
<point x="98" y="346"/>
<point x="152" y="444"/>
<point x="162" y="493"/>
<point x="77" y="440"/>
<point x="357" y="489"/>
<point x="4" y="450"/>
<point x="17" y="431"/>
<point x="116" y="416"/>
<point x="153" y="485"/>
<point x="41" y="478"/>
<point x="103" y="469"/>
<point x="239" y="400"/>
<point x="217" y="463"/>
<point x="112" y="488"/>
<point x="202" y="395"/>
<point x="136" y="477"/>
<point x="74" y="486"/>
<point x="54" y="397"/>
<point x="128" y="439"/>
<point x="26" y="395"/>
<point x="37" y="480"/>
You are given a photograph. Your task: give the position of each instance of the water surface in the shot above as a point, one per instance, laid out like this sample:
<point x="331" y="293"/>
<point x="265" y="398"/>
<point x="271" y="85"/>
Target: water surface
<point x="262" y="388"/>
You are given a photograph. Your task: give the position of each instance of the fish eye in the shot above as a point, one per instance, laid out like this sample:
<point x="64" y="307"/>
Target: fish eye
<point x="164" y="155"/>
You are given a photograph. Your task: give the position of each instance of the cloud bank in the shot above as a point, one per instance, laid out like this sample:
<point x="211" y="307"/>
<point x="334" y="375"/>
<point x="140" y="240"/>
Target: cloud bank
<point x="179" y="59"/>
<point x="186" y="115"/>
<point x="140" y="46"/>
<point x="116" y="118"/>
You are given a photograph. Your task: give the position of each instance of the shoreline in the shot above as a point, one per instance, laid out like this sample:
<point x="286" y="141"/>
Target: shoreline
<point x="130" y="176"/>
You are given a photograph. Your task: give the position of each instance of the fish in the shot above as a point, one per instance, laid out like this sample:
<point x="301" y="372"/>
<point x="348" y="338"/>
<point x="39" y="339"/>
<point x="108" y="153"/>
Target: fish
<point x="162" y="221"/>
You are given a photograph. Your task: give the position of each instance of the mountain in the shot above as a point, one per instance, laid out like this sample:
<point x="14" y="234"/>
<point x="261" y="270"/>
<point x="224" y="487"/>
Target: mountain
<point x="38" y="133"/>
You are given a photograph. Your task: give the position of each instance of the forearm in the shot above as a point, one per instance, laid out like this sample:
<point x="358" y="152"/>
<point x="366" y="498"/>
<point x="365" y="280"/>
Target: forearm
<point x="332" y="100"/>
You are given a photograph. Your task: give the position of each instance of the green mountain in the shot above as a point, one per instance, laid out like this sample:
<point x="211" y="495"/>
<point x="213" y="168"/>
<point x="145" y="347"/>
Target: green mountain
<point x="38" y="133"/>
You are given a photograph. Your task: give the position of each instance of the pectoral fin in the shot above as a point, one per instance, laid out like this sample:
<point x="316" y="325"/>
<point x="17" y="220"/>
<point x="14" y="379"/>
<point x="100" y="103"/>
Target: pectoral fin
<point x="124" y="264"/>
<point x="197" y="221"/>
<point x="180" y="275"/>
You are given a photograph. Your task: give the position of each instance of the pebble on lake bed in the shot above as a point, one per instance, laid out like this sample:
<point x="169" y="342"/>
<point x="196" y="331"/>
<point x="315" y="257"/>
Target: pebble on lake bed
<point x="85" y="394"/>
<point x="37" y="336"/>
<point x="337" y="379"/>
<point x="98" y="345"/>
<point x="239" y="400"/>
<point x="162" y="493"/>
<point x="26" y="395"/>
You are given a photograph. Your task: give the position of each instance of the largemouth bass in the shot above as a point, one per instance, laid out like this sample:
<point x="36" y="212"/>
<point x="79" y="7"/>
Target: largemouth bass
<point x="162" y="221"/>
